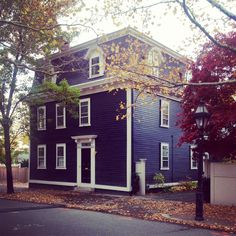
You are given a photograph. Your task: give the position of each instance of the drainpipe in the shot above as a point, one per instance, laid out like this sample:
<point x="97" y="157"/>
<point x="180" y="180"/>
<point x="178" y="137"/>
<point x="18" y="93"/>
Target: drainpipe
<point x="172" y="158"/>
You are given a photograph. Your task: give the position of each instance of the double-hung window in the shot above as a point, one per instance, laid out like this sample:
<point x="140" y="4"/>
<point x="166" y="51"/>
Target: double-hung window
<point x="96" y="59"/>
<point x="164" y="156"/>
<point x="165" y="113"/>
<point x="155" y="60"/>
<point x="193" y="162"/>
<point x="61" y="156"/>
<point x="41" y="118"/>
<point x="95" y="66"/>
<point x="60" y="116"/>
<point x="41" y="156"/>
<point x="84" y="112"/>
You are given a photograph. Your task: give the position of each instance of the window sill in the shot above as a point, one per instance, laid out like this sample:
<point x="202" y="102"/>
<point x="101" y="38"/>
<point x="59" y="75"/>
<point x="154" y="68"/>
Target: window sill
<point x="193" y="168"/>
<point x="165" y="126"/>
<point x="60" y="168"/>
<point x="95" y="76"/>
<point x="61" y="127"/>
<point x="164" y="168"/>
<point x="85" y="125"/>
<point x="41" y="129"/>
<point x="41" y="168"/>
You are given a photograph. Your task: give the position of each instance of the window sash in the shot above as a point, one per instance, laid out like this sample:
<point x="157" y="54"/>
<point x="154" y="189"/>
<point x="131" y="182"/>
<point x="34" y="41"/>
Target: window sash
<point x="84" y="112"/>
<point x="41" y="118"/>
<point x="164" y="156"/>
<point x="61" y="156"/>
<point x="41" y="157"/>
<point x="60" y="116"/>
<point x="165" y="116"/>
<point x="95" y="66"/>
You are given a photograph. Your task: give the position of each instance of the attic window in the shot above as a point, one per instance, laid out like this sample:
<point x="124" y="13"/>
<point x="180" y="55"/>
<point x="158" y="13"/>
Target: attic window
<point x="155" y="59"/>
<point x="95" y="66"/>
<point x="96" y="62"/>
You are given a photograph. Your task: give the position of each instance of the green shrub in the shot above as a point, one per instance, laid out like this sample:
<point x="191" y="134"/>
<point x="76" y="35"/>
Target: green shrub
<point x="159" y="178"/>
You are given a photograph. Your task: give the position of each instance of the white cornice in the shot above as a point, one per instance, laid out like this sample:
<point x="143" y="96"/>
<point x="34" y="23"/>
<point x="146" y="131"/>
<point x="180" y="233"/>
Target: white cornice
<point x="118" y="34"/>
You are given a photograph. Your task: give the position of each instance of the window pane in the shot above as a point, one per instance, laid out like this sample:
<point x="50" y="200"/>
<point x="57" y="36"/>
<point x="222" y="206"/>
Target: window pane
<point x="86" y="144"/>
<point x="84" y="108"/>
<point x="60" y="110"/>
<point x="41" y="118"/>
<point x="60" y="121"/>
<point x="41" y="152"/>
<point x="60" y="161"/>
<point x="60" y="151"/>
<point x="194" y="163"/>
<point x="41" y="111"/>
<point x="165" y="164"/>
<point x="95" y="60"/>
<point x="41" y="162"/>
<point x="165" y="152"/>
<point x="95" y="70"/>
<point x="84" y="120"/>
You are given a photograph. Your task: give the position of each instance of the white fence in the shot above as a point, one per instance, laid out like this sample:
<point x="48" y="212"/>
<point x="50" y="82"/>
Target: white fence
<point x="223" y="183"/>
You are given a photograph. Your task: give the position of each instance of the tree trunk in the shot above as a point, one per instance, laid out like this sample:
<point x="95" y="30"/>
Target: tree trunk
<point x="7" y="146"/>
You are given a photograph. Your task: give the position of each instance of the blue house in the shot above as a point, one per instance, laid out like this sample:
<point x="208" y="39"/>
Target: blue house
<point x="95" y="150"/>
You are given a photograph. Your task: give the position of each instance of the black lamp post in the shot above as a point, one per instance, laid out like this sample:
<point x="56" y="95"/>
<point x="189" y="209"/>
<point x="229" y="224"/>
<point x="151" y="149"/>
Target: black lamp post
<point x="201" y="116"/>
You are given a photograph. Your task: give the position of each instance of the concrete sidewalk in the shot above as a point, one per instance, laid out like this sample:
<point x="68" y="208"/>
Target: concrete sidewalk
<point x="18" y="187"/>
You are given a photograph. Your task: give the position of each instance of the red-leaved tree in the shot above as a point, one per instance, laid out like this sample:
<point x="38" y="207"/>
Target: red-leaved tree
<point x="214" y="64"/>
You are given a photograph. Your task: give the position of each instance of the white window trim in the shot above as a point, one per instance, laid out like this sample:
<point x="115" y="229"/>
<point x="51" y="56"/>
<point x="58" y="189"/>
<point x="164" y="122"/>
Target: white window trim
<point x="64" y="154"/>
<point x="191" y="159"/>
<point x="64" y="117"/>
<point x="101" y="66"/>
<point x="45" y="117"/>
<point x="92" y="53"/>
<point x="162" y="103"/>
<point x="89" y="112"/>
<point x="165" y="145"/>
<point x="44" y="147"/>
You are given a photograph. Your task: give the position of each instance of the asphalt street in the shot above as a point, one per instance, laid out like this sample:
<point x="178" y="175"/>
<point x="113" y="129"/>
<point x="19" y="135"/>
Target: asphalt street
<point x="19" y="218"/>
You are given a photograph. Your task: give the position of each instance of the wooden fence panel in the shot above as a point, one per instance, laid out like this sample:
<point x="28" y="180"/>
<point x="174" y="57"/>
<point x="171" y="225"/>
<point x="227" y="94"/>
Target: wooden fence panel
<point x="19" y="174"/>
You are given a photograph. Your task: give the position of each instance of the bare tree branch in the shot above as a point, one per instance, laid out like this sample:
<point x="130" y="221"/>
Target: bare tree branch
<point x="192" y="18"/>
<point x="48" y="28"/>
<point x="222" y="9"/>
<point x="142" y="7"/>
<point x="161" y="82"/>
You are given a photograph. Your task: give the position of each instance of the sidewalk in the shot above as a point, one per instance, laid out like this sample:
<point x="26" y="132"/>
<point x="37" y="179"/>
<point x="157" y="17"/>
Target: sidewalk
<point x="18" y="187"/>
<point x="151" y="207"/>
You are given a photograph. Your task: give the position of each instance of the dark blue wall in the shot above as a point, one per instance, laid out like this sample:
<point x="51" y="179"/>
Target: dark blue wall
<point x="147" y="136"/>
<point x="110" y="144"/>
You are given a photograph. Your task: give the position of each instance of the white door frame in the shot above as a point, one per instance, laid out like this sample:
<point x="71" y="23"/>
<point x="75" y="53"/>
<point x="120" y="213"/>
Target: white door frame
<point x="81" y="140"/>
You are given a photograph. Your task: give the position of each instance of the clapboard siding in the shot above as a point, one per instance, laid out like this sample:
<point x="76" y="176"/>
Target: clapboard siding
<point x="147" y="136"/>
<point x="110" y="160"/>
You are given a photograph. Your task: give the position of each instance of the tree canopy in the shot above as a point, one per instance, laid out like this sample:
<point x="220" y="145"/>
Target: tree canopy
<point x="29" y="30"/>
<point x="214" y="64"/>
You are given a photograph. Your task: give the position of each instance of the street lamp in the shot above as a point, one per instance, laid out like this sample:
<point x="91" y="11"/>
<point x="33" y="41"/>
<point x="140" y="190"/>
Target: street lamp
<point x="201" y="116"/>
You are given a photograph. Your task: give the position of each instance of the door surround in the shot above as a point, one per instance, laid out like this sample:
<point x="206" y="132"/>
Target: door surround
<point x="85" y="141"/>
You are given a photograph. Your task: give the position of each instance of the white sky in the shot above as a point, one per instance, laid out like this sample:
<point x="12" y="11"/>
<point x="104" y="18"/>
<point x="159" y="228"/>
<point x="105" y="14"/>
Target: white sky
<point x="170" y="29"/>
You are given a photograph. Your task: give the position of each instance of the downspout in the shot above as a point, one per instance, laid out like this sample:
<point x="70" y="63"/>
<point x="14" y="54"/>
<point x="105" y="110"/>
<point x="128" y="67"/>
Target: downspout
<point x="172" y="158"/>
<point x="132" y="144"/>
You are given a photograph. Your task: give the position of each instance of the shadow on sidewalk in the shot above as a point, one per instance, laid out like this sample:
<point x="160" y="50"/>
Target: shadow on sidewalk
<point x="18" y="187"/>
<point x="186" y="196"/>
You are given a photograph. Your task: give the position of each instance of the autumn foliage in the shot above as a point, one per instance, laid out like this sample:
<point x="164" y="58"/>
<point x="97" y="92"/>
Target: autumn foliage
<point x="214" y="64"/>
